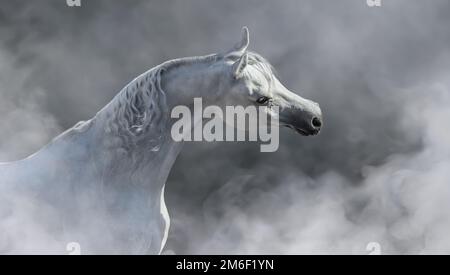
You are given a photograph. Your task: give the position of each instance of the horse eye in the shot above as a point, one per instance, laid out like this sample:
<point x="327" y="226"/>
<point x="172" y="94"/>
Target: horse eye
<point x="263" y="100"/>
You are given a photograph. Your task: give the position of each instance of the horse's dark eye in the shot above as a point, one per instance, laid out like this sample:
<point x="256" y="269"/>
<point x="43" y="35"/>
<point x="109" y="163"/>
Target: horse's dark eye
<point x="263" y="100"/>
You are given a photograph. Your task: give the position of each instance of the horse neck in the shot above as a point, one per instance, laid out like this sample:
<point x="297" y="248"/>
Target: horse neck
<point x="147" y="160"/>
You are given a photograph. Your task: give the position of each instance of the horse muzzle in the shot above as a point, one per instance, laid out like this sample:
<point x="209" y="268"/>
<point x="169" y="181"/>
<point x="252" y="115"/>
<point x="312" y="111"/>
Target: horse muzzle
<point x="304" y="123"/>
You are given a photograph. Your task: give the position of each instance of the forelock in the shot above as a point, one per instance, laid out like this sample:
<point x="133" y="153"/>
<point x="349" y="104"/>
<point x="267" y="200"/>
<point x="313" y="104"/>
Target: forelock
<point x="262" y="65"/>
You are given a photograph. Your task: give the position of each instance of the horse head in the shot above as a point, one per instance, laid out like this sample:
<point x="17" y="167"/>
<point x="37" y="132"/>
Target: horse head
<point x="250" y="81"/>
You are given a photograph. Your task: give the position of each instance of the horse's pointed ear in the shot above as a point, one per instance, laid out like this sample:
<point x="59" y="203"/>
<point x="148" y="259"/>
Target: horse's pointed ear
<point x="241" y="47"/>
<point x="245" y="40"/>
<point x="239" y="66"/>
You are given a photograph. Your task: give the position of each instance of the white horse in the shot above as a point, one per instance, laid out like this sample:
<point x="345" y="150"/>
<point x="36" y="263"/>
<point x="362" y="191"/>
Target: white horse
<point x="101" y="183"/>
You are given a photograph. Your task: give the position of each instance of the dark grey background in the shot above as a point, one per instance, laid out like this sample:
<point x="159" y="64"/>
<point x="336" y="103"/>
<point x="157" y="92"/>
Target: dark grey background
<point x="377" y="172"/>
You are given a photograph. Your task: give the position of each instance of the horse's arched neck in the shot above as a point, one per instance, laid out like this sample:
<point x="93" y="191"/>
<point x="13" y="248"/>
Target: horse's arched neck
<point x="149" y="158"/>
<point x="110" y="154"/>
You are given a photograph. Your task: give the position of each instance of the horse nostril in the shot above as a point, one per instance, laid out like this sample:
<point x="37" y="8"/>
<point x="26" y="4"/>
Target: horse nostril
<point x="316" y="122"/>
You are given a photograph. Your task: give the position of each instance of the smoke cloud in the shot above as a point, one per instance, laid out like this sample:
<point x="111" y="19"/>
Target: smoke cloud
<point x="378" y="172"/>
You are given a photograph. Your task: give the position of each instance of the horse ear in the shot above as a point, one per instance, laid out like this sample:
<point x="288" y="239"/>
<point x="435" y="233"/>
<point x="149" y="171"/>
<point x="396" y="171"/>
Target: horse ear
<point x="239" y="66"/>
<point x="240" y="47"/>
<point x="245" y="40"/>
